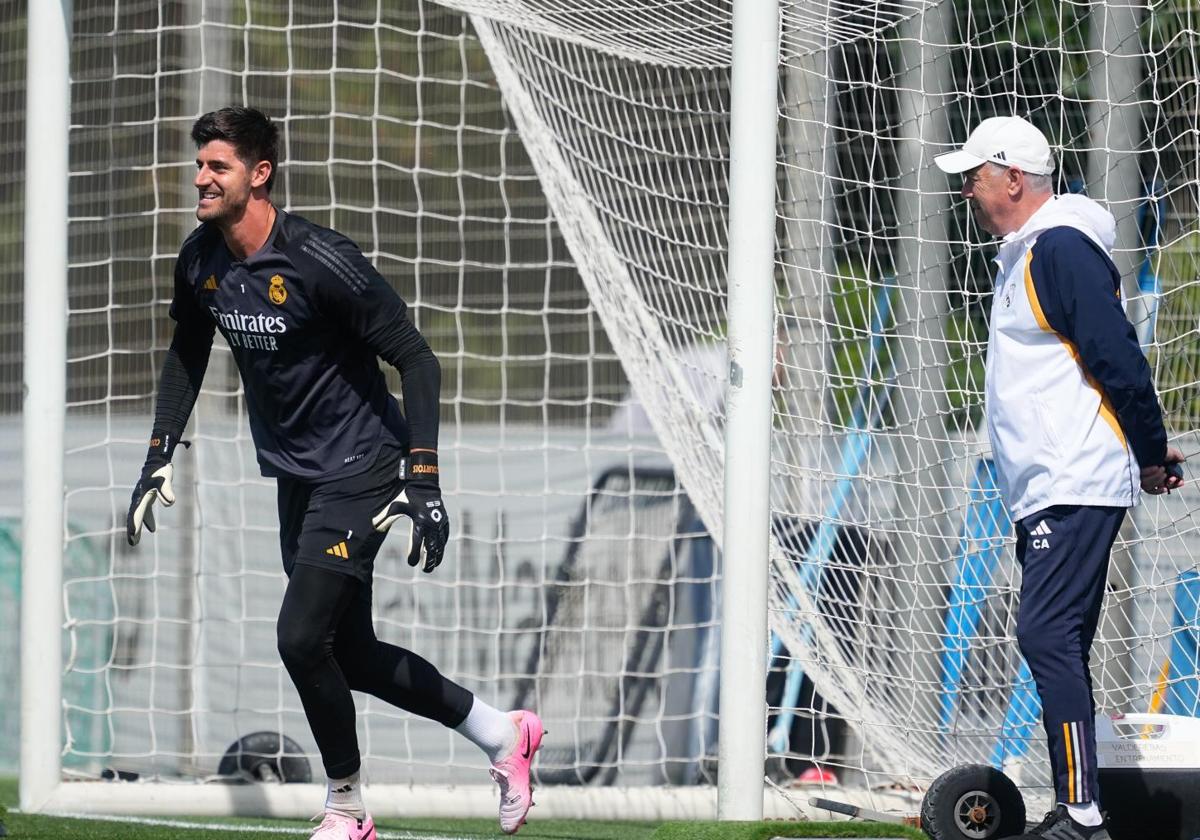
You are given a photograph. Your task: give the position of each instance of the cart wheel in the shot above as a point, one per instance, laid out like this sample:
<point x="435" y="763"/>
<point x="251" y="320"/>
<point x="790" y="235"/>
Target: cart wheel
<point x="265" y="757"/>
<point x="972" y="802"/>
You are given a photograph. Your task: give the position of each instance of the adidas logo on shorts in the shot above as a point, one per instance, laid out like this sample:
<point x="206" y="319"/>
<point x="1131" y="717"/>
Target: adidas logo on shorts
<point x="339" y="550"/>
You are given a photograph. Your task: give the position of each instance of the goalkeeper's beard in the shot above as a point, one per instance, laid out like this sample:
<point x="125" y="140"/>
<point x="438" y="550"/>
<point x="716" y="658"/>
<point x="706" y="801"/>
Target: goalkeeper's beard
<point x="226" y="211"/>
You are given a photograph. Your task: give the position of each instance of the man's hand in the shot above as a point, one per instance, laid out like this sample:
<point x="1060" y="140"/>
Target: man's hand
<point x="419" y="499"/>
<point x="155" y="484"/>
<point x="1165" y="477"/>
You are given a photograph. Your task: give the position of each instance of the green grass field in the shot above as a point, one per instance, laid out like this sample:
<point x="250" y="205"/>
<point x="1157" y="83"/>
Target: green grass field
<point x="33" y="827"/>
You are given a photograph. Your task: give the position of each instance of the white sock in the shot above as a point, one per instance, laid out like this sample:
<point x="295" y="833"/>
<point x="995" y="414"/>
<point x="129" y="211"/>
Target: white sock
<point x="1088" y="814"/>
<point x="344" y="796"/>
<point x="492" y="730"/>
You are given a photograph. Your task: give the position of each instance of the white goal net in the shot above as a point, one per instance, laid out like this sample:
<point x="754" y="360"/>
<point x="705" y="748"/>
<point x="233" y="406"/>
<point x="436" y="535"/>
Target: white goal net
<point x="546" y="184"/>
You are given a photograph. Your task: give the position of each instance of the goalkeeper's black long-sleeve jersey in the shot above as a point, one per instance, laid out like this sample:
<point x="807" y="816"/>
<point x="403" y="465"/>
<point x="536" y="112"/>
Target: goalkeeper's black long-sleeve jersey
<point x="307" y="318"/>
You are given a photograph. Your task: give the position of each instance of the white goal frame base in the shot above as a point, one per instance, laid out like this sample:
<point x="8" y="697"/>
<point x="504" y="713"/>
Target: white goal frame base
<point x="161" y="799"/>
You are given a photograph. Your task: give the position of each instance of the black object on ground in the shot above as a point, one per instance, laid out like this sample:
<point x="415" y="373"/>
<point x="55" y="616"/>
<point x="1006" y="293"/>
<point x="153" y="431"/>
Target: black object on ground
<point x="972" y="802"/>
<point x="859" y="812"/>
<point x="1151" y="802"/>
<point x="265" y="757"/>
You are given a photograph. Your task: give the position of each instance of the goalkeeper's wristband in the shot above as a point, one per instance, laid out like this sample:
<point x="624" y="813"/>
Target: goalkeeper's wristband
<point x="420" y="466"/>
<point x="162" y="448"/>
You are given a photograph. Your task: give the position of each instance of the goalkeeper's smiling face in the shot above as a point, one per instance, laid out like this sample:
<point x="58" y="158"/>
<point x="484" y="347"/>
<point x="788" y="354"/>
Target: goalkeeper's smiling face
<point x="223" y="183"/>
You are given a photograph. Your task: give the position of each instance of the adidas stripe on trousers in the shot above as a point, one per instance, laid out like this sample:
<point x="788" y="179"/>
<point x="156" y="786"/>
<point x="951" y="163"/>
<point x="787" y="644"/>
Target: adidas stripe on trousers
<point x="1064" y="553"/>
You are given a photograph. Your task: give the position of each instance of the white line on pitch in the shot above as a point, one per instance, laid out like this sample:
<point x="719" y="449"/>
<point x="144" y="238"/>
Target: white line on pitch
<point x="263" y="829"/>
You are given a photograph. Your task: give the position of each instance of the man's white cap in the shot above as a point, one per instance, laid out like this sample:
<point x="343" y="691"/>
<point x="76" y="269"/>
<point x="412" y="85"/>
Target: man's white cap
<point x="1007" y="141"/>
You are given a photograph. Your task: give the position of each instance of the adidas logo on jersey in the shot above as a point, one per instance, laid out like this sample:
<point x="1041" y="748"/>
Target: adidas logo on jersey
<point x="210" y="285"/>
<point x="1039" y="534"/>
<point x="339" y="550"/>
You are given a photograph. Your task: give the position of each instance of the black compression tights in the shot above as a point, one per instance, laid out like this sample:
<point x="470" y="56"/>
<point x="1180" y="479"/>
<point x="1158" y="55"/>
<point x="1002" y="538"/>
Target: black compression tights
<point x="328" y="645"/>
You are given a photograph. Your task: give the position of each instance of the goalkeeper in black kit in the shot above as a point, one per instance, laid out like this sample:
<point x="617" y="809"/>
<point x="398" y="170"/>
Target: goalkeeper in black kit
<point x="307" y="318"/>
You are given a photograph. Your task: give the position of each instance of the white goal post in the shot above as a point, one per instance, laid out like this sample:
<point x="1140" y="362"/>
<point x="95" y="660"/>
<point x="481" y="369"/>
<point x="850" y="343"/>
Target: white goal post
<point x="712" y="331"/>
<point x="44" y="409"/>
<point x="751" y="301"/>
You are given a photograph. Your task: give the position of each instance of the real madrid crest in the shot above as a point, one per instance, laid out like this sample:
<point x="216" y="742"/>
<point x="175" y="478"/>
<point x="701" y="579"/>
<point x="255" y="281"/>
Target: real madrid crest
<point x="277" y="292"/>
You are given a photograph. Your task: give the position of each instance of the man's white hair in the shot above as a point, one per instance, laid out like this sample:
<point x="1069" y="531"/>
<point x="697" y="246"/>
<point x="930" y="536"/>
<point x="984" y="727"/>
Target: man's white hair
<point x="1033" y="182"/>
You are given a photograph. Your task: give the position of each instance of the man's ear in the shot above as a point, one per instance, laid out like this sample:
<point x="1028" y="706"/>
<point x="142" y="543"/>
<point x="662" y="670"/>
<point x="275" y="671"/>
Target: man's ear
<point x="260" y="174"/>
<point x="1015" y="179"/>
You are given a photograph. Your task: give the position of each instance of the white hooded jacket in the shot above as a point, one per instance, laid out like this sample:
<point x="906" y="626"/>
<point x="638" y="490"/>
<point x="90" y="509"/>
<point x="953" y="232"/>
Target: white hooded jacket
<point x="1069" y="400"/>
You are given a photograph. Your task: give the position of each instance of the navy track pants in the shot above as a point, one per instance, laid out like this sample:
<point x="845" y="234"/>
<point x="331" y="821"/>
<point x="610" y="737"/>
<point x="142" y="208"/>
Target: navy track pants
<point x="1064" y="552"/>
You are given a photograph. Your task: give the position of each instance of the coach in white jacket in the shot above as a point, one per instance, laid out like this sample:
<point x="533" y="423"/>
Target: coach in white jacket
<point x="1075" y="427"/>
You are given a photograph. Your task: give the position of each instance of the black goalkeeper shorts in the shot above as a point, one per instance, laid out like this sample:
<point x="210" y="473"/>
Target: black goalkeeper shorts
<point x="328" y="523"/>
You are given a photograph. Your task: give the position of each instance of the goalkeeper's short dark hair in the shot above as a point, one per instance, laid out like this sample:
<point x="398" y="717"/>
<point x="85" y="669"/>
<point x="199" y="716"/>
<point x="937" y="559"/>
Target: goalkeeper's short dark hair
<point x="249" y="130"/>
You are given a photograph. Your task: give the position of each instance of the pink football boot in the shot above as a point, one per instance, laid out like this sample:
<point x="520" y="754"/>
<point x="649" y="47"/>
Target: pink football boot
<point x="342" y="827"/>
<point x="512" y="772"/>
